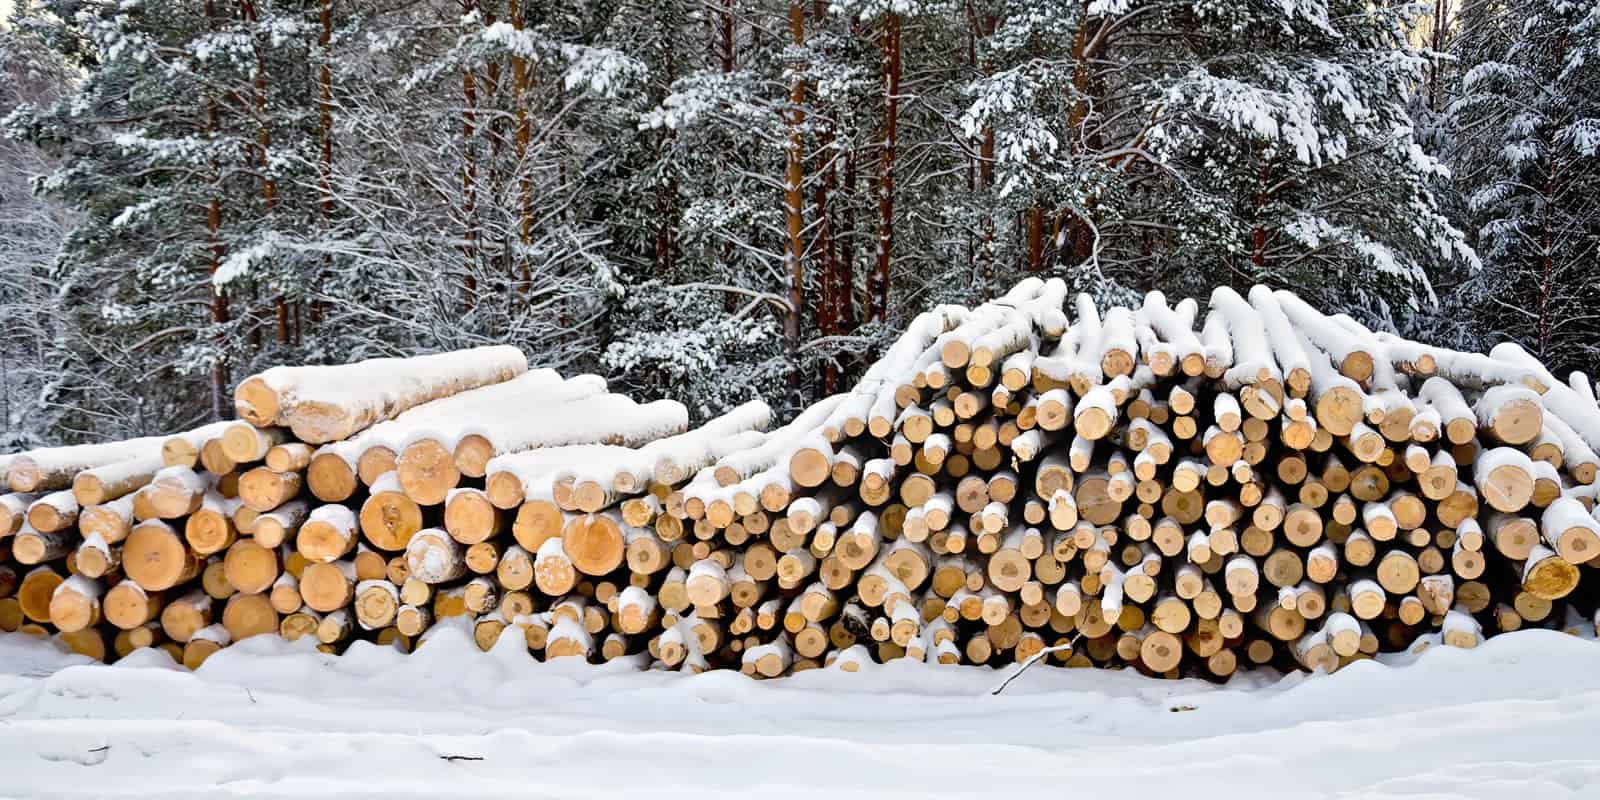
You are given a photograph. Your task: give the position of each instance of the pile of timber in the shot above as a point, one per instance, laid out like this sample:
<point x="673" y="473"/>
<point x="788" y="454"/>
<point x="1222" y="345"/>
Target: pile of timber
<point x="1153" y="487"/>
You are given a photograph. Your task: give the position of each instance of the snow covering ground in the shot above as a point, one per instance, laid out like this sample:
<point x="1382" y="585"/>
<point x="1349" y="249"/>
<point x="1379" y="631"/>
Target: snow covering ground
<point x="1515" y="718"/>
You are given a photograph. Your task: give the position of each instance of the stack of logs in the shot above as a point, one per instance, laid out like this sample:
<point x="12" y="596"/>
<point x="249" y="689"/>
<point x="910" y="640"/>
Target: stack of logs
<point x="1145" y="487"/>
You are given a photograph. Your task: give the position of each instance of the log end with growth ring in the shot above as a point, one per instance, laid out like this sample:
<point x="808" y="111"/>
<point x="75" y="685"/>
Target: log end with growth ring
<point x="256" y="402"/>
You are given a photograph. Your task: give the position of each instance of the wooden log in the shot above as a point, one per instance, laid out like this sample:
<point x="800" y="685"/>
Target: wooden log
<point x="245" y="615"/>
<point x="323" y="404"/>
<point x="594" y="543"/>
<point x="264" y="490"/>
<point x="281" y="524"/>
<point x="327" y="587"/>
<point x="156" y="558"/>
<point x="75" y="604"/>
<point x="204" y="644"/>
<point x="388" y="517"/>
<point x="328" y="534"/>
<point x="174" y="492"/>
<point x="30" y="547"/>
<point x="433" y="556"/>
<point x="109" y="482"/>
<point x="53" y="468"/>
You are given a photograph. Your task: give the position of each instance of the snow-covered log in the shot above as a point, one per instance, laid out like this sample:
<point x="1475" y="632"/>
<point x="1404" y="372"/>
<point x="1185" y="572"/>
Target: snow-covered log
<point x="327" y="403"/>
<point x="54" y="468"/>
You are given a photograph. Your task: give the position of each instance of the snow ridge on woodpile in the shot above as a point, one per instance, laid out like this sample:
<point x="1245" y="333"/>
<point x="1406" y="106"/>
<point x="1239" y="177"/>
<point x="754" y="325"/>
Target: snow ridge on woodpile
<point x="1168" y="487"/>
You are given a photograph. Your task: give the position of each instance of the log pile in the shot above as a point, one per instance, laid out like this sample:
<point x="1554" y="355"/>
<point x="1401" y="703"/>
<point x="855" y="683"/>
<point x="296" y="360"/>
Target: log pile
<point x="1146" y="487"/>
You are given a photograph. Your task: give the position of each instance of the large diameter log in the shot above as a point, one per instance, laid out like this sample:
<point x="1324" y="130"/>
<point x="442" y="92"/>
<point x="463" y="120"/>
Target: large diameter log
<point x="1504" y="477"/>
<point x="322" y="404"/>
<point x="471" y="518"/>
<point x="211" y="529"/>
<point x="594" y="543"/>
<point x="377" y="604"/>
<point x="251" y="568"/>
<point x="1510" y="414"/>
<point x="1571" y="530"/>
<point x="184" y="616"/>
<point x="388" y="517"/>
<point x="246" y="615"/>
<point x="427" y="471"/>
<point x="328" y="587"/>
<point x="331" y="474"/>
<point x="156" y="557"/>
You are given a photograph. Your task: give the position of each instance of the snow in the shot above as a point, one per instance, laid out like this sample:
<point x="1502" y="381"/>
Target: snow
<point x="323" y="403"/>
<point x="1252" y="351"/>
<point x="674" y="457"/>
<point x="495" y="413"/>
<point x="602" y="418"/>
<point x="56" y="466"/>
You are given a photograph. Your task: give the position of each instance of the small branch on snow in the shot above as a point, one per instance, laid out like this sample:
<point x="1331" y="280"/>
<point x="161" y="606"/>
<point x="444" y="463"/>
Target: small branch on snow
<point x="1016" y="673"/>
<point x="445" y="757"/>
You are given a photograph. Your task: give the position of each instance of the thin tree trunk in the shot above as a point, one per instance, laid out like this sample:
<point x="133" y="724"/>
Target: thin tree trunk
<point x="828" y="316"/>
<point x="985" y="257"/>
<point x="219" y="300"/>
<point x="520" y="79"/>
<point x="1077" y="118"/>
<point x="667" y="192"/>
<point x="793" y="193"/>
<point x="1440" y="18"/>
<point x="325" y="134"/>
<point x="879" y="299"/>
<point x="269" y="188"/>
<point x="845" y="281"/>
<point x="469" y="175"/>
<point x="727" y="36"/>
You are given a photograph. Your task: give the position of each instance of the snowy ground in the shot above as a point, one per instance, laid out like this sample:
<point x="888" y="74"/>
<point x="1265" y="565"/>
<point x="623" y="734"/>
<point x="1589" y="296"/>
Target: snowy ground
<point x="1517" y="718"/>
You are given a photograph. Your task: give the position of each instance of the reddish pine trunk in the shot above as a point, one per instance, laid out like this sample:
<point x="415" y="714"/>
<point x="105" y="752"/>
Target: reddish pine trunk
<point x="845" y="281"/>
<point x="879" y="294"/>
<point x="793" y="196"/>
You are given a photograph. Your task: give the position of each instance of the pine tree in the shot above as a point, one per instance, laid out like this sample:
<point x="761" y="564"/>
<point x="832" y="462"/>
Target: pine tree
<point x="1183" y="145"/>
<point x="1527" y="154"/>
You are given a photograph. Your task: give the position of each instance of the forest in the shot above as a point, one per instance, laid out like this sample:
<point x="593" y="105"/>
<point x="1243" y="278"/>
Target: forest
<point x="718" y="200"/>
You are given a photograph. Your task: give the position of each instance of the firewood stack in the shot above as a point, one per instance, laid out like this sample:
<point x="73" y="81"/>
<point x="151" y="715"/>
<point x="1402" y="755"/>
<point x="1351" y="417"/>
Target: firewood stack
<point x="1146" y="487"/>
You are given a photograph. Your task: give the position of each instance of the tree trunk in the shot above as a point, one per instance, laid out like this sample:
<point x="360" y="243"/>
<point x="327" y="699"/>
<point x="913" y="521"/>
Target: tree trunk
<point x="879" y="300"/>
<point x="793" y="193"/>
<point x="219" y="300"/>
<point x="269" y="187"/>
<point x="726" y="51"/>
<point x="469" y="176"/>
